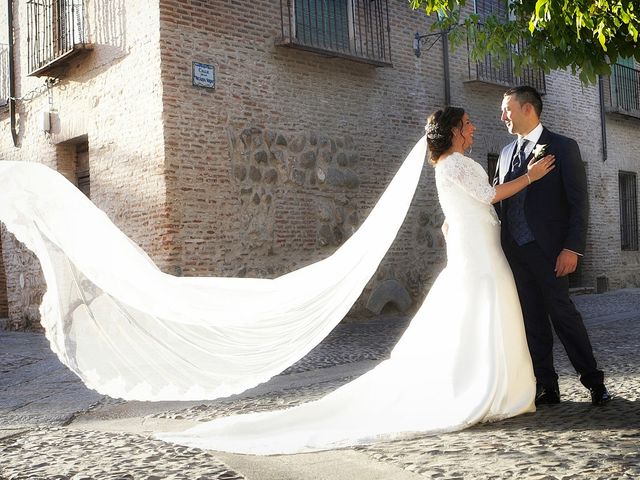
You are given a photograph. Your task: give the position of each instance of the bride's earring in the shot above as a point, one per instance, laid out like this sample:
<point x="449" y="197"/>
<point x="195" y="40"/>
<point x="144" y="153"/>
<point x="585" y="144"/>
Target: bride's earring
<point x="458" y="140"/>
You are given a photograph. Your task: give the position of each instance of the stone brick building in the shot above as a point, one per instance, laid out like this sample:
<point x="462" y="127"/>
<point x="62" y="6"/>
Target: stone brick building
<point x="235" y="139"/>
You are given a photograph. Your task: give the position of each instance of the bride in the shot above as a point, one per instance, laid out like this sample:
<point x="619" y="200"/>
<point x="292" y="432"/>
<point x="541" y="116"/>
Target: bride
<point x="462" y="360"/>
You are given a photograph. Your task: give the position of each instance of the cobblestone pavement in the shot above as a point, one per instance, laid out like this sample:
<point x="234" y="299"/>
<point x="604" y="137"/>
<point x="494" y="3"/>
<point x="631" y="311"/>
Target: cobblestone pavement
<point x="573" y="440"/>
<point x="62" y="453"/>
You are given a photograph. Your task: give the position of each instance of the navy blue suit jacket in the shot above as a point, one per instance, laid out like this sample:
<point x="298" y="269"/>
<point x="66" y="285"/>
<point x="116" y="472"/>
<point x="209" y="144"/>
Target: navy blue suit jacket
<point x="556" y="206"/>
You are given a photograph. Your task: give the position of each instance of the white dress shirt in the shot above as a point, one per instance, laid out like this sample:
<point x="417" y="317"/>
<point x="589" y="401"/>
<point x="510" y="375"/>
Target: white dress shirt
<point x="533" y="136"/>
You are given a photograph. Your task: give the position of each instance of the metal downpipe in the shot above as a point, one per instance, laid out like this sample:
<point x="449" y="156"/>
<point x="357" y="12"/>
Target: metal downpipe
<point x="12" y="80"/>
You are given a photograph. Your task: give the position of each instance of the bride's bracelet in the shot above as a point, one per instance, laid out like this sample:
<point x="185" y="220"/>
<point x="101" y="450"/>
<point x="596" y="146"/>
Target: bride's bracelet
<point x="528" y="178"/>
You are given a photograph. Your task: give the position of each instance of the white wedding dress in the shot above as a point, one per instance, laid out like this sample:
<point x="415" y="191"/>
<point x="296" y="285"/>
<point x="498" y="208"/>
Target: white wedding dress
<point x="462" y="360"/>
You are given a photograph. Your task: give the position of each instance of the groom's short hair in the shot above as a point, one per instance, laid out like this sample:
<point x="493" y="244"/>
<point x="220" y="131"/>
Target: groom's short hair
<point x="526" y="94"/>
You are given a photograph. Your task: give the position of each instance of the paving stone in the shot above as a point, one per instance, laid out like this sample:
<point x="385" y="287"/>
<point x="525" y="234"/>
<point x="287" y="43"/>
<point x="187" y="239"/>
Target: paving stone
<point x="572" y="440"/>
<point x="61" y="453"/>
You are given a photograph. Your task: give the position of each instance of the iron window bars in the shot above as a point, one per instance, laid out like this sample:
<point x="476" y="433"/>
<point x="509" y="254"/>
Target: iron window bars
<point x="503" y="73"/>
<point x="628" y="211"/>
<point x="355" y="29"/>
<point x="56" y="29"/>
<point x="624" y="90"/>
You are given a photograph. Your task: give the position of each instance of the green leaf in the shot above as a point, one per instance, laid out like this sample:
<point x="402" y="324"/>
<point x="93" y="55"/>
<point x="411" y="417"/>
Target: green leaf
<point x="580" y="35"/>
<point x="540" y="5"/>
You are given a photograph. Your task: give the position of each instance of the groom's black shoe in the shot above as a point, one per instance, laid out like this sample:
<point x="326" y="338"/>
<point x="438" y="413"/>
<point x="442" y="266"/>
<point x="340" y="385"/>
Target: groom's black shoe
<point x="600" y="395"/>
<point x="547" y="395"/>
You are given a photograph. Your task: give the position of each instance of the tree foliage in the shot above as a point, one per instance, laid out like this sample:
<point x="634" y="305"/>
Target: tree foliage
<point x="586" y="36"/>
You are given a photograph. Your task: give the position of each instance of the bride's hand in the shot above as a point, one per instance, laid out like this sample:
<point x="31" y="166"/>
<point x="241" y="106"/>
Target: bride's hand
<point x="538" y="169"/>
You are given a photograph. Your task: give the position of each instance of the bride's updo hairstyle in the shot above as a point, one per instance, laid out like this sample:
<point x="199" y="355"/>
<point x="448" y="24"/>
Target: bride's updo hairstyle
<point x="439" y="130"/>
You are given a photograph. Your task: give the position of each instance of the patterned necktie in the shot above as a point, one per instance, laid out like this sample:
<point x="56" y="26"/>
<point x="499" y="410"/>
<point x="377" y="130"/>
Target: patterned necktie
<point x="521" y="157"/>
<point x="515" y="217"/>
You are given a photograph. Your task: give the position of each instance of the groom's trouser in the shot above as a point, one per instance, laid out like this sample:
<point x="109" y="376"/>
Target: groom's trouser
<point x="545" y="301"/>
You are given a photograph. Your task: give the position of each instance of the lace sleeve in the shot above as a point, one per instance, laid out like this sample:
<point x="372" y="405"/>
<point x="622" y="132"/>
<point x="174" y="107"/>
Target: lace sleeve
<point x="470" y="176"/>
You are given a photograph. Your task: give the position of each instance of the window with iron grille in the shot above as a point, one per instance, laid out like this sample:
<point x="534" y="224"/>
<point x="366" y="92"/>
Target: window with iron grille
<point x="488" y="69"/>
<point x="624" y="85"/>
<point x="628" y="211"/>
<point x="55" y="30"/>
<point x="323" y="22"/>
<point x="486" y="8"/>
<point x="356" y="29"/>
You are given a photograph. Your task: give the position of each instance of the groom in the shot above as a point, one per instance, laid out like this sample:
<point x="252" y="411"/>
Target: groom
<point x="543" y="235"/>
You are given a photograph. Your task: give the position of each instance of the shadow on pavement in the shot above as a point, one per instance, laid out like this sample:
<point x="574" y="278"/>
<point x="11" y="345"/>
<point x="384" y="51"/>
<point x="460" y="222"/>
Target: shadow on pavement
<point x="619" y="414"/>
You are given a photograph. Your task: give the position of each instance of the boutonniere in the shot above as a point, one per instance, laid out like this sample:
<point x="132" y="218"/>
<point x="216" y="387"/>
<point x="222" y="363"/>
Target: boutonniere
<point x="539" y="151"/>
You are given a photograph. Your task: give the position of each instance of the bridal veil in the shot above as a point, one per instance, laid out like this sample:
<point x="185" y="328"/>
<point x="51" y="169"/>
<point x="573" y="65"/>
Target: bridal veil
<point x="130" y="331"/>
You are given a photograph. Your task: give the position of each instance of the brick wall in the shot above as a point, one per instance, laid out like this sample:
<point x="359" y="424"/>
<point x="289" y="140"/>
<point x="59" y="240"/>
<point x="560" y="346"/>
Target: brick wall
<point x="267" y="228"/>
<point x="344" y="127"/>
<point x="4" y="300"/>
<point x="25" y="285"/>
<point x="622" y="267"/>
<point x="113" y="98"/>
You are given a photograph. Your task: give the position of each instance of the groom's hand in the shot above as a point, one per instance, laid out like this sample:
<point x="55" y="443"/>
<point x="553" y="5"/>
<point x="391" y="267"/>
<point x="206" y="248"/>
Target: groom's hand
<point x="566" y="263"/>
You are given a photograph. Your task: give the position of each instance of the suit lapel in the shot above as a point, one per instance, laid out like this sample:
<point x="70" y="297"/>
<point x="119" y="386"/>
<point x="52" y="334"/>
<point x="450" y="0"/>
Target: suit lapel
<point x="543" y="140"/>
<point x="510" y="150"/>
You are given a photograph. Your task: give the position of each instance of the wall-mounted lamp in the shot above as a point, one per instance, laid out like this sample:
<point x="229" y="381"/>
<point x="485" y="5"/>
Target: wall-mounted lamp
<point x="422" y="39"/>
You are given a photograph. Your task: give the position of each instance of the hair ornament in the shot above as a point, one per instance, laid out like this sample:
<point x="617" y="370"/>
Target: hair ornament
<point x="434" y="130"/>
